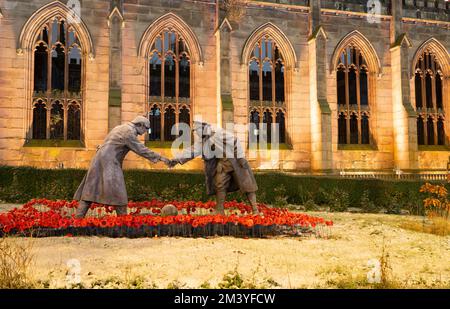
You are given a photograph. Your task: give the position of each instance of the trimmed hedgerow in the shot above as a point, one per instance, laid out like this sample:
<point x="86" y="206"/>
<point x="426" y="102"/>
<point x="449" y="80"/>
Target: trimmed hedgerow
<point x="20" y="184"/>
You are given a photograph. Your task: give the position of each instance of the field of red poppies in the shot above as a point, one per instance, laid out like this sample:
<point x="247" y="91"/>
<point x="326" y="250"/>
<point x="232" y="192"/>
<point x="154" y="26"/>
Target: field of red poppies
<point x="46" y="218"/>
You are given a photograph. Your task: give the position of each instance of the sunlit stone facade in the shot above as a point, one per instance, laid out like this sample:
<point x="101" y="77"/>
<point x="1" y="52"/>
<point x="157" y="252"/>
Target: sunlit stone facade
<point x="352" y="87"/>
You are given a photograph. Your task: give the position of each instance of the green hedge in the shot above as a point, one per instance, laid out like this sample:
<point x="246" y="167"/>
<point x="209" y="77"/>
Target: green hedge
<point x="18" y="185"/>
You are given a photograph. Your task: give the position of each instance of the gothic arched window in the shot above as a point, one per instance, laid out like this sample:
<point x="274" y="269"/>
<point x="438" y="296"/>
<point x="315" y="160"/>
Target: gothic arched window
<point x="266" y="78"/>
<point x="428" y="83"/>
<point x="57" y="76"/>
<point x="352" y="82"/>
<point x="169" y="83"/>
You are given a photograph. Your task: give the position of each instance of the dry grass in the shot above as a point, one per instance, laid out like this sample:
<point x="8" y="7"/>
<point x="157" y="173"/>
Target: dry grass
<point x="436" y="225"/>
<point x="16" y="260"/>
<point x="410" y="258"/>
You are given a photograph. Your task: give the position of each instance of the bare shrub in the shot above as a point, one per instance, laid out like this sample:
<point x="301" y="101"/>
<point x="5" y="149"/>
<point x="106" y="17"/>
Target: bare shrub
<point x="16" y="260"/>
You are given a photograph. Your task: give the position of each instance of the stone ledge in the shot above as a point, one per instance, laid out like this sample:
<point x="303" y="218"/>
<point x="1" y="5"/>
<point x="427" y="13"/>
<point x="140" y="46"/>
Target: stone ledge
<point x="433" y="148"/>
<point x="357" y="147"/>
<point x="54" y="143"/>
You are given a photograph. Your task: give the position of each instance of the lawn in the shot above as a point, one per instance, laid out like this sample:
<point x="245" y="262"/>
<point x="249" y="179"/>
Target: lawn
<point x="340" y="260"/>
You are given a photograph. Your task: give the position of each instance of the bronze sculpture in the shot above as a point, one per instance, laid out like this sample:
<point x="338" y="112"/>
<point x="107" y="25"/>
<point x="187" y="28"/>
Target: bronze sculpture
<point x="104" y="182"/>
<point x="226" y="169"/>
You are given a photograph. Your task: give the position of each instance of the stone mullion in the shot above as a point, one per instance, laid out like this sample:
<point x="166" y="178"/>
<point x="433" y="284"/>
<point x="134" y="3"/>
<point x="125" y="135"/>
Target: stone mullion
<point x="177" y="73"/>
<point x="433" y="87"/>
<point x="274" y="99"/>
<point x="261" y="121"/>
<point x="274" y="120"/>
<point x="261" y="62"/>
<point x="272" y="56"/>
<point x="444" y="87"/>
<point x="47" y="133"/>
<point x="433" y="99"/>
<point x="66" y="87"/>
<point x="177" y="81"/>
<point x="163" y="60"/>
<point x="424" y="102"/>
<point x="65" y="114"/>
<point x="347" y="105"/>
<point x="435" y="119"/>
<point x="49" y="81"/>
<point x="177" y="116"/>
<point x="358" y="97"/>
<point x="162" y="113"/>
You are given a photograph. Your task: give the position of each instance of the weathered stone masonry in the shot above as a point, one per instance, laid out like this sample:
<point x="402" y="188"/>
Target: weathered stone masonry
<point x="307" y="39"/>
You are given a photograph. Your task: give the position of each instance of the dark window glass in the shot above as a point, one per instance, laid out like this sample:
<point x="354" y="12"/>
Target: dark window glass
<point x="353" y="129"/>
<point x="353" y="52"/>
<point x="173" y="41"/>
<point x="57" y="121"/>
<point x="418" y="90"/>
<point x="45" y="35"/>
<point x="169" y="77"/>
<point x="352" y="86"/>
<point x="420" y="131"/>
<point x="441" y="132"/>
<point x="181" y="46"/>
<point x="364" y="88"/>
<point x="155" y="75"/>
<point x="267" y="81"/>
<point x="365" y="139"/>
<point x="341" y="87"/>
<point x="39" y="121"/>
<point x="73" y="123"/>
<point x="254" y="80"/>
<point x="75" y="70"/>
<point x="185" y="116"/>
<point x="438" y="91"/>
<point x="282" y="126"/>
<point x="254" y="118"/>
<point x="185" y="77"/>
<point x="155" y="123"/>
<point x="62" y="33"/>
<point x="428" y="87"/>
<point x="279" y="82"/>
<point x="342" y="129"/>
<point x="169" y="122"/>
<point x="267" y="119"/>
<point x="430" y="131"/>
<point x="40" y="68"/>
<point x="58" y="68"/>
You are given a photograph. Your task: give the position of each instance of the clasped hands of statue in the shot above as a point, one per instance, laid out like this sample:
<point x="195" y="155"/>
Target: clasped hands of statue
<point x="173" y="162"/>
<point x="170" y="163"/>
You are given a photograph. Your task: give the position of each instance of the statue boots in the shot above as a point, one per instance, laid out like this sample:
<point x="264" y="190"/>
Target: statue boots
<point x="251" y="196"/>
<point x="121" y="210"/>
<point x="220" y="200"/>
<point x="83" y="208"/>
